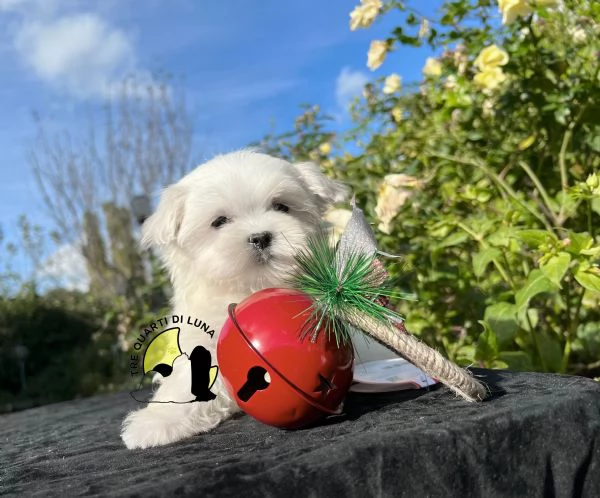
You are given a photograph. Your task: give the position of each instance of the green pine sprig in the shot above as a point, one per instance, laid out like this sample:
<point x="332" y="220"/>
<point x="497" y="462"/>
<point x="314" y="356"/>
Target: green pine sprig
<point x="340" y="285"/>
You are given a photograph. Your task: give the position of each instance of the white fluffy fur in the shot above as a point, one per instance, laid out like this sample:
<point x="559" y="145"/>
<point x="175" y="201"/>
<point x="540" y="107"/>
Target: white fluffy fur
<point x="212" y="267"/>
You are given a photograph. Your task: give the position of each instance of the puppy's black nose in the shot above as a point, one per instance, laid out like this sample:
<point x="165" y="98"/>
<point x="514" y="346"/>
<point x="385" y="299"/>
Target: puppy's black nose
<point x="261" y="240"/>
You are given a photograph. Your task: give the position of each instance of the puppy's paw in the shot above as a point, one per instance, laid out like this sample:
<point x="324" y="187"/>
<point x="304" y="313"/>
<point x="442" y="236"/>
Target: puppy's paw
<point x="146" y="428"/>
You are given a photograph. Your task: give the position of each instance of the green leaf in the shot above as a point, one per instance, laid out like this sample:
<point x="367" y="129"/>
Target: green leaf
<point x="579" y="242"/>
<point x="501" y="237"/>
<point x="590" y="278"/>
<point x="528" y="319"/>
<point x="502" y="319"/>
<point x="475" y="136"/>
<point x="594" y="141"/>
<point x="535" y="238"/>
<point x="592" y="251"/>
<point x="487" y="344"/>
<point x="453" y="239"/>
<point x="551" y="76"/>
<point x="561" y="114"/>
<point x="556" y="267"/>
<point x="568" y="202"/>
<point x="412" y="20"/>
<point x="596" y="204"/>
<point x="536" y="283"/>
<point x="483" y="258"/>
<point x="527" y="142"/>
<point x="465" y="355"/>
<point x="587" y="343"/>
<point x="550" y="350"/>
<point x="517" y="360"/>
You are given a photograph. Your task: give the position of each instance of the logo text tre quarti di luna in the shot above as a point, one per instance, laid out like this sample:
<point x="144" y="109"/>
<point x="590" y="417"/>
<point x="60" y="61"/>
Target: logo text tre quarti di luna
<point x="157" y="327"/>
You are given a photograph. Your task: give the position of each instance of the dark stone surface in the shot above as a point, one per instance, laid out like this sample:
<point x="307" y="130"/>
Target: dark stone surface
<point x="538" y="436"/>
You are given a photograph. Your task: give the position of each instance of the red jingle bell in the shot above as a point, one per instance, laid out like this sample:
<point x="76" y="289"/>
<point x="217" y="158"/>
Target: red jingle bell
<point x="273" y="374"/>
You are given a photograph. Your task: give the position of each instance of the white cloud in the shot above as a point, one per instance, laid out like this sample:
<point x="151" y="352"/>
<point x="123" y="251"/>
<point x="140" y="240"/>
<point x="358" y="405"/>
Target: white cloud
<point x="80" y="53"/>
<point x="67" y="267"/>
<point x="348" y="85"/>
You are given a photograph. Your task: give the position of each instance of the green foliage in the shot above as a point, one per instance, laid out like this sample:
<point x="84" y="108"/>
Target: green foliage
<point x="485" y="176"/>
<point x="65" y="355"/>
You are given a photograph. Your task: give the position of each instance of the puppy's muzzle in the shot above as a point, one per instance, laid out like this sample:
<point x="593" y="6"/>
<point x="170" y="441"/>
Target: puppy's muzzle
<point x="261" y="241"/>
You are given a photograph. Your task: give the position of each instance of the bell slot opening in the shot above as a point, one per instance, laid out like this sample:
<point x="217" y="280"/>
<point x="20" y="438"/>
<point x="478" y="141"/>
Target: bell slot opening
<point x="258" y="379"/>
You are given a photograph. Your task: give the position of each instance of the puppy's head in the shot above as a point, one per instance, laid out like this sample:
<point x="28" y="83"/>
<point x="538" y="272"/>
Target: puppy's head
<point x="239" y="219"/>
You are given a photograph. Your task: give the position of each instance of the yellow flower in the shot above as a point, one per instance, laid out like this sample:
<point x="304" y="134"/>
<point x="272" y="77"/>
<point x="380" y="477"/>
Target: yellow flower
<point x="511" y="9"/>
<point x="377" y="53"/>
<point x="337" y="219"/>
<point x="489" y="79"/>
<point x="364" y="15"/>
<point x="491" y="57"/>
<point x="397" y="114"/>
<point x="578" y="35"/>
<point x="432" y="67"/>
<point x="325" y="148"/>
<point x="393" y="193"/>
<point x="392" y="84"/>
<point x="450" y="83"/>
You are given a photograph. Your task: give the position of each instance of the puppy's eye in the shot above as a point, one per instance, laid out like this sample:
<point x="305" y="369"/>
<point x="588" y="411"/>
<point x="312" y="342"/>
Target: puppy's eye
<point x="220" y="221"/>
<point x="278" y="206"/>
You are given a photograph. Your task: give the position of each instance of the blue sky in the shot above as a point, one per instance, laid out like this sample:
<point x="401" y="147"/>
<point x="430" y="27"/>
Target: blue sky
<point x="247" y="64"/>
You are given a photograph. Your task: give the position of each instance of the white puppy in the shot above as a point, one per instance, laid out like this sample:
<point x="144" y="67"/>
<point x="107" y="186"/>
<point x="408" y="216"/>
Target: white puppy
<point x="229" y="228"/>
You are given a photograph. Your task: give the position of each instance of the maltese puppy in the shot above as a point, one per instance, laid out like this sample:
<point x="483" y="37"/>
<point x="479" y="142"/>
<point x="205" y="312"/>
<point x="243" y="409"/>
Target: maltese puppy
<point x="229" y="228"/>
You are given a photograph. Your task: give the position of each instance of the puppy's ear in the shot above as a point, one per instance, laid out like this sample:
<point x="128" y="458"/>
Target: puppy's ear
<point x="163" y="226"/>
<point x="327" y="190"/>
